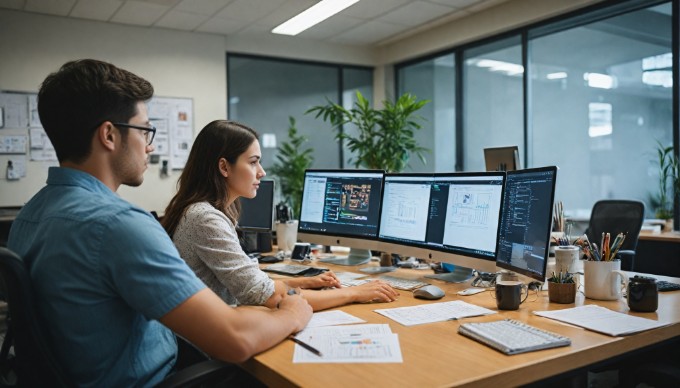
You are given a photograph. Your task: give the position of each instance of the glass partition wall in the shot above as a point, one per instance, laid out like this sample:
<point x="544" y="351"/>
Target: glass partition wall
<point x="591" y="92"/>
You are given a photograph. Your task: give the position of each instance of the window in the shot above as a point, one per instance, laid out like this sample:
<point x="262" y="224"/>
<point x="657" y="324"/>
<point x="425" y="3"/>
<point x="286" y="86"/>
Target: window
<point x="264" y="92"/>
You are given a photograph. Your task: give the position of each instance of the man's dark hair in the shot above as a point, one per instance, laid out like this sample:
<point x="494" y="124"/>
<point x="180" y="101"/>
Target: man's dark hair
<point x="79" y="97"/>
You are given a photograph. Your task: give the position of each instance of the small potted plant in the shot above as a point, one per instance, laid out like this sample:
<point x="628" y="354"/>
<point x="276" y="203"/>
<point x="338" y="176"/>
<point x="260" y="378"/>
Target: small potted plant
<point x="669" y="184"/>
<point x="562" y="288"/>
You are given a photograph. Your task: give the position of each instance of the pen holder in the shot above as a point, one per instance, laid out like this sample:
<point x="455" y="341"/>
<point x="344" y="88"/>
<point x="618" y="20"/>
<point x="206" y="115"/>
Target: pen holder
<point x="561" y="292"/>
<point x="604" y="280"/>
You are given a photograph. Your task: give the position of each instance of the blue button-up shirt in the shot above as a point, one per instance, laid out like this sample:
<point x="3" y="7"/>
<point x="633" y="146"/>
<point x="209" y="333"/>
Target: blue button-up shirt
<point x="104" y="271"/>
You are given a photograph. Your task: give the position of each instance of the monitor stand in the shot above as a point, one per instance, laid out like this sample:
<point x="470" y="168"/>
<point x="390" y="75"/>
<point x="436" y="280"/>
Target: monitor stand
<point x="459" y="275"/>
<point x="355" y="257"/>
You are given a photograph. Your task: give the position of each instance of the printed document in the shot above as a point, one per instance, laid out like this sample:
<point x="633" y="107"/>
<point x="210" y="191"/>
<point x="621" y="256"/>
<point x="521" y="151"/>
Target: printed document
<point x="333" y="317"/>
<point x="602" y="320"/>
<point x="370" y="343"/>
<point x="434" y="312"/>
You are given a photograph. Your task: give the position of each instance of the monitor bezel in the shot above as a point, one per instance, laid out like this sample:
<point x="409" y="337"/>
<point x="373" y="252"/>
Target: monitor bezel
<point x="333" y="238"/>
<point x="240" y="227"/>
<point x="522" y="271"/>
<point x="431" y="251"/>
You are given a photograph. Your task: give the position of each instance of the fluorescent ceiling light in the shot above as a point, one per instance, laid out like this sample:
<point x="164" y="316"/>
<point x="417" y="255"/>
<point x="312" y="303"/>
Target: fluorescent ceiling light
<point x="557" y="75"/>
<point x="600" y="81"/>
<point x="312" y="15"/>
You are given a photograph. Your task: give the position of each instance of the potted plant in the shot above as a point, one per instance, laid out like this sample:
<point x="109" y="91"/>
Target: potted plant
<point x="385" y="138"/>
<point x="291" y="162"/>
<point x="669" y="184"/>
<point x="562" y="288"/>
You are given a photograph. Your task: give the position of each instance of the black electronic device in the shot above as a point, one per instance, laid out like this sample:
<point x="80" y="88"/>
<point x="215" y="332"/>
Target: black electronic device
<point x="256" y="220"/>
<point x="502" y="158"/>
<point x="526" y="220"/>
<point x="342" y="207"/>
<point x="301" y="252"/>
<point x="451" y="217"/>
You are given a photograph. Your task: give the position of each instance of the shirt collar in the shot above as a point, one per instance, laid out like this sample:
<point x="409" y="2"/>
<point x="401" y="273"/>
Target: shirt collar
<point x="64" y="176"/>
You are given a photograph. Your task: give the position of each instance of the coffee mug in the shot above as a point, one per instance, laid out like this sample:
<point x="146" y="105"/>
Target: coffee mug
<point x="642" y="294"/>
<point x="566" y="257"/>
<point x="508" y="294"/>
<point x="286" y="235"/>
<point x="604" y="280"/>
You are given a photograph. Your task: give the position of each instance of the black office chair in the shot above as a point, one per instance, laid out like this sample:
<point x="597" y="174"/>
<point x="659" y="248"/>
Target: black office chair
<point x="616" y="216"/>
<point x="34" y="363"/>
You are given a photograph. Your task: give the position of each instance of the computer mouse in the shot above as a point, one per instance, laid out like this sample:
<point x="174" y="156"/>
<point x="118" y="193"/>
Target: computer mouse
<point x="429" y="292"/>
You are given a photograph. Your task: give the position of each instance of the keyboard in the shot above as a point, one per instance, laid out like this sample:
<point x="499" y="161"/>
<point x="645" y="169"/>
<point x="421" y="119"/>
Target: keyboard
<point x="663" y="285"/>
<point x="512" y="337"/>
<point x="295" y="269"/>
<point x="401" y="283"/>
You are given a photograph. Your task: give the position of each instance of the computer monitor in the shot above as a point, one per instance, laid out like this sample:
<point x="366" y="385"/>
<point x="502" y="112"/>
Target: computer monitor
<point x="256" y="220"/>
<point x="342" y="207"/>
<point x="451" y="218"/>
<point x="526" y="219"/>
<point x="502" y="158"/>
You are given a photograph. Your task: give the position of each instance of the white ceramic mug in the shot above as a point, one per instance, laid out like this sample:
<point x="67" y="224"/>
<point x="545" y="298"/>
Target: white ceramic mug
<point x="566" y="257"/>
<point x="286" y="235"/>
<point x="604" y="280"/>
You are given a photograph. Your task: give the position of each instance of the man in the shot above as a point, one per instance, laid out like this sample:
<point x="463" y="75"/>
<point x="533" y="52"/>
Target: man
<point x="109" y="282"/>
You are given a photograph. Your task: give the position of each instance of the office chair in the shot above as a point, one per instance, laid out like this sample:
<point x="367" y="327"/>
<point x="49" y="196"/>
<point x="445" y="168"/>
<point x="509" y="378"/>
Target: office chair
<point x="34" y="363"/>
<point x="616" y="216"/>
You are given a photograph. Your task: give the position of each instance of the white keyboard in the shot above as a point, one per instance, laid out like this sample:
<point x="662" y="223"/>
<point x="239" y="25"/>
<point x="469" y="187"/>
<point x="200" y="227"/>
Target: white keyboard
<point x="401" y="283"/>
<point x="512" y="337"/>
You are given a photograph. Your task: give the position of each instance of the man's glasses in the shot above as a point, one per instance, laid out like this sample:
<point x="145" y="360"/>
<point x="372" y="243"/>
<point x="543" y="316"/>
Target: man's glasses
<point x="149" y="132"/>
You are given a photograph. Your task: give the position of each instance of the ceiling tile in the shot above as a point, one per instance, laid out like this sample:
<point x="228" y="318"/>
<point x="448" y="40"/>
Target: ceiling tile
<point x="13" y="4"/>
<point x="334" y="25"/>
<point x="456" y="3"/>
<point x="369" y="9"/>
<point x="202" y="7"/>
<point x="54" y="7"/>
<point x="181" y="20"/>
<point x="482" y="5"/>
<point x="222" y="26"/>
<point x="369" y="32"/>
<point x="139" y="13"/>
<point x="416" y="13"/>
<point x="249" y="10"/>
<point x="96" y="10"/>
<point x="286" y="11"/>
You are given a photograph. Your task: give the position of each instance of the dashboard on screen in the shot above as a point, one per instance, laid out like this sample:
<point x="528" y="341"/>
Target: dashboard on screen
<point x="456" y="213"/>
<point x="341" y="203"/>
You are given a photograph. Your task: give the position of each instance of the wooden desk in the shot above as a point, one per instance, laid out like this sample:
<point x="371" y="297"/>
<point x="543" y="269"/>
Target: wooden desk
<point x="436" y="355"/>
<point x="673" y="236"/>
<point x="658" y="253"/>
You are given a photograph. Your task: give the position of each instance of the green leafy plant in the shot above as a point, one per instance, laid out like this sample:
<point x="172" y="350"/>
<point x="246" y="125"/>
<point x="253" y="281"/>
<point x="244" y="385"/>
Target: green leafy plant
<point x="386" y="137"/>
<point x="291" y="162"/>
<point x="669" y="181"/>
<point x="562" y="277"/>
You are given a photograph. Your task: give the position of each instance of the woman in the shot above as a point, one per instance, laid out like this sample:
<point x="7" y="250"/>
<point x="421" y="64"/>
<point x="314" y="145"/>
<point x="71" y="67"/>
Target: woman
<point x="223" y="165"/>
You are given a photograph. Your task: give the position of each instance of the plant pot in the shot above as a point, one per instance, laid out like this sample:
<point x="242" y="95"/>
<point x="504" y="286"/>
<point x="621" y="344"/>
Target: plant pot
<point x="561" y="292"/>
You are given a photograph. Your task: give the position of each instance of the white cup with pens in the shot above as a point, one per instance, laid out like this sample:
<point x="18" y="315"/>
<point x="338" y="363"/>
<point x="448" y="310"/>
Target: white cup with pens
<point x="603" y="278"/>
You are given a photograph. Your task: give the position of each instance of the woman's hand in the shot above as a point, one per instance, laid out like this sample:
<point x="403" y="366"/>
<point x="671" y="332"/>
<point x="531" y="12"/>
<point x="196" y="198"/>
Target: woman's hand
<point x="374" y="291"/>
<point x="324" y="280"/>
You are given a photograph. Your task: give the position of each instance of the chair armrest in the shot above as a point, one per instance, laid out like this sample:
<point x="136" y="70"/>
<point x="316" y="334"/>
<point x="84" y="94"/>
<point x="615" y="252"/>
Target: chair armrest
<point x="627" y="260"/>
<point x="199" y="373"/>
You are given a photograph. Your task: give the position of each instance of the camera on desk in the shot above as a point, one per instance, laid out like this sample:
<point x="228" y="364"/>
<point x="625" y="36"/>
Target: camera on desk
<point x="301" y="252"/>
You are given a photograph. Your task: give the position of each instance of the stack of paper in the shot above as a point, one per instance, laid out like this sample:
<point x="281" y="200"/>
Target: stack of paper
<point x="434" y="312"/>
<point x="601" y="320"/>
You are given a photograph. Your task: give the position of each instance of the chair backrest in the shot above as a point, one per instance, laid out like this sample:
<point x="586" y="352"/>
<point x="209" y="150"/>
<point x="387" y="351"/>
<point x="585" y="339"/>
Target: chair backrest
<point x="616" y="216"/>
<point x="35" y="364"/>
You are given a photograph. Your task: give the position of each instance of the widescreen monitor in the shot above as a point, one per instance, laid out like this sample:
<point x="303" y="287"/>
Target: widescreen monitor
<point x="451" y="217"/>
<point x="526" y="220"/>
<point x="256" y="219"/>
<point x="342" y="207"/>
<point x="502" y="158"/>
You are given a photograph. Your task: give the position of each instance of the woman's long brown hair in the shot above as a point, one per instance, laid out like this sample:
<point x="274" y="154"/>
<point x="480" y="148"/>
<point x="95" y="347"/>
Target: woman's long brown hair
<point x="201" y="179"/>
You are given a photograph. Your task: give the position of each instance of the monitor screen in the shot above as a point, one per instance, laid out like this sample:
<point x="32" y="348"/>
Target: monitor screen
<point x="341" y="203"/>
<point x="257" y="214"/>
<point x="526" y="219"/>
<point x="502" y="158"/>
<point x="456" y="213"/>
